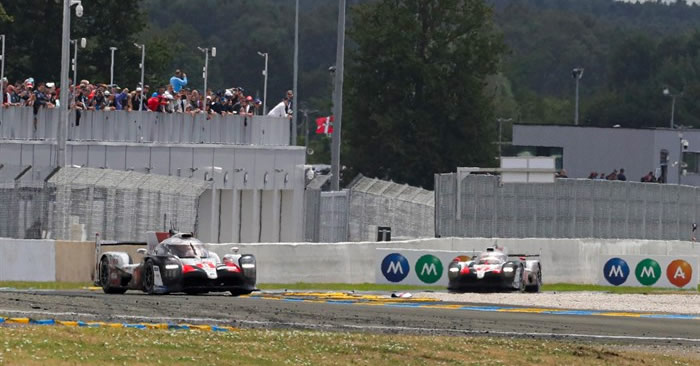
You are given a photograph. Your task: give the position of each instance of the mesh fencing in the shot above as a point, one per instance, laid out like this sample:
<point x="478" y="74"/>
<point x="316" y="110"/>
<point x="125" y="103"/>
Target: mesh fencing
<point x="569" y="208"/>
<point x="76" y="203"/>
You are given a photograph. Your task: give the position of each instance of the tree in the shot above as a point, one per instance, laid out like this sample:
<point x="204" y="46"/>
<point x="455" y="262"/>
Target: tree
<point x="416" y="102"/>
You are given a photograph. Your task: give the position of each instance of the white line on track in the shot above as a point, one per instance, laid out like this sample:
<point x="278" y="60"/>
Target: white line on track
<point x="357" y="327"/>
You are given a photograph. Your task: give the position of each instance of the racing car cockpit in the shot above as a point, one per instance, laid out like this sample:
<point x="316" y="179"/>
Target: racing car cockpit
<point x="187" y="250"/>
<point x="492" y="258"/>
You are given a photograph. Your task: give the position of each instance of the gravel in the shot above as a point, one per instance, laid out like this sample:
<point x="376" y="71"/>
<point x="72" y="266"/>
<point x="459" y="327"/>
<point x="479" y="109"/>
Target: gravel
<point x="584" y="300"/>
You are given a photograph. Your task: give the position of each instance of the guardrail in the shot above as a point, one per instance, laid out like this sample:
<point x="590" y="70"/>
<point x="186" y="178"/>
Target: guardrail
<point x="20" y="123"/>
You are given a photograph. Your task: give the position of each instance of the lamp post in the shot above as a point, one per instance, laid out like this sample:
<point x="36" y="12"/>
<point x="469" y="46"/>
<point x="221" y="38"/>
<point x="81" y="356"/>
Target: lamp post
<point x="63" y="97"/>
<point x="2" y="62"/>
<point x="577" y="74"/>
<point x="205" y="72"/>
<point x="500" y="133"/>
<point x="74" y="66"/>
<point x="111" y="67"/>
<point x="296" y="75"/>
<point x="667" y="92"/>
<point x="142" y="66"/>
<point x="338" y="99"/>
<point x="265" y="86"/>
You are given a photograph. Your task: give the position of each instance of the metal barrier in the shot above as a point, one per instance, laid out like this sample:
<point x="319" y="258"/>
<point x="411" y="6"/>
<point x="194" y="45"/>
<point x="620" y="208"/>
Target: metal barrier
<point x="20" y="123"/>
<point x="355" y="214"/>
<point x="76" y="203"/>
<point x="569" y="208"/>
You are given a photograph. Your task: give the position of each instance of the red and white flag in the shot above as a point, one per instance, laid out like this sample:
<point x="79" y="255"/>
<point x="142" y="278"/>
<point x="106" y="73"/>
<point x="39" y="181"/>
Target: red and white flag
<point x="324" y="125"/>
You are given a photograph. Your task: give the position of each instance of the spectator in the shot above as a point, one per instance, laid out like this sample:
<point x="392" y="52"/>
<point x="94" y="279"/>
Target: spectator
<point x="612" y="176"/>
<point x="290" y="106"/>
<point x="154" y="104"/>
<point x="621" y="176"/>
<point x="280" y="109"/>
<point x="562" y="174"/>
<point x="247" y="107"/>
<point x="602" y="176"/>
<point x="593" y="175"/>
<point x="649" y="178"/>
<point x="258" y="107"/>
<point x="178" y="81"/>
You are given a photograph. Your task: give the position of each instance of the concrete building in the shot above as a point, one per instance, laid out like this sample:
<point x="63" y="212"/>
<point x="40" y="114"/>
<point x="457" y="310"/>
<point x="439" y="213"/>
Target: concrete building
<point x="257" y="178"/>
<point x="638" y="151"/>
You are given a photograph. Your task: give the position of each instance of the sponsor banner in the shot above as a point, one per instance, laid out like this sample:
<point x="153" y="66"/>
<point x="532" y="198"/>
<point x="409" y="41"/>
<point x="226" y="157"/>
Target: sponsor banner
<point x="650" y="271"/>
<point x="413" y="266"/>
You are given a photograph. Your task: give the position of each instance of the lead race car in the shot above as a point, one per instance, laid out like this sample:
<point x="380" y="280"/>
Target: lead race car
<point x="173" y="262"/>
<point x="494" y="269"/>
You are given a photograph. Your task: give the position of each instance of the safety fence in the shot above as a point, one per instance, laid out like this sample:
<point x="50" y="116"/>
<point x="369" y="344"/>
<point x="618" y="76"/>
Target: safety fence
<point x="356" y="213"/>
<point x="568" y="208"/>
<point x="76" y="203"/>
<point x="21" y="123"/>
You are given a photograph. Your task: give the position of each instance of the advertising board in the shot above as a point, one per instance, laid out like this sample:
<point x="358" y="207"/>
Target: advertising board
<point x="650" y="271"/>
<point x="413" y="266"/>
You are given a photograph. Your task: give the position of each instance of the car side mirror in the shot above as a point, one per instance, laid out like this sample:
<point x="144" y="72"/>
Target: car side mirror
<point x="141" y="251"/>
<point x="234" y="249"/>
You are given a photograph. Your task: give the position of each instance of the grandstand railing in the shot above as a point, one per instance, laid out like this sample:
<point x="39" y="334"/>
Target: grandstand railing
<point x="20" y="123"/>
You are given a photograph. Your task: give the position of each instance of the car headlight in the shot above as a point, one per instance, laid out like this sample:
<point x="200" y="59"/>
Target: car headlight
<point x="508" y="269"/>
<point x="454" y="269"/>
<point x="248" y="265"/>
<point x="172" y="266"/>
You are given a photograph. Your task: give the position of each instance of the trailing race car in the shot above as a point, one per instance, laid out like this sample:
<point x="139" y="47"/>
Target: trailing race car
<point x="173" y="262"/>
<point x="494" y="269"/>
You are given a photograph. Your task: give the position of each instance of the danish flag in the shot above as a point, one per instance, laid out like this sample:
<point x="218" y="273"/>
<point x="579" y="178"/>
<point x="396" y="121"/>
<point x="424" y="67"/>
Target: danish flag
<point x="324" y="125"/>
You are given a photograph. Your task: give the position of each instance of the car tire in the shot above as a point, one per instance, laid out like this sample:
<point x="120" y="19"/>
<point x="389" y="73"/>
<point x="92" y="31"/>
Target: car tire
<point x="104" y="279"/>
<point x="537" y="286"/>
<point x="148" y="278"/>
<point x="518" y="283"/>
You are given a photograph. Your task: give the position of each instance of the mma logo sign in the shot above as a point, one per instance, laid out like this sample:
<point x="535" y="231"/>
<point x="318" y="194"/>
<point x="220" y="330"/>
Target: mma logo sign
<point x="656" y="271"/>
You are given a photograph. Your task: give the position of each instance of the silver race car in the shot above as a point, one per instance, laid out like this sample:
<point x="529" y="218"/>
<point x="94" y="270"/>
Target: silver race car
<point x="494" y="269"/>
<point x="173" y="262"/>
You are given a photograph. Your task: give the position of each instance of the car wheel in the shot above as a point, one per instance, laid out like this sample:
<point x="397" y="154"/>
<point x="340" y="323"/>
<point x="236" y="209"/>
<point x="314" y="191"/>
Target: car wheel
<point x="537" y="286"/>
<point x="518" y="279"/>
<point x="104" y="279"/>
<point x="148" y="278"/>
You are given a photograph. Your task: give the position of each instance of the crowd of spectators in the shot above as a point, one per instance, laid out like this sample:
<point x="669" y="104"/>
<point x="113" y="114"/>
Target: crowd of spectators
<point x="174" y="97"/>
<point x="620" y="175"/>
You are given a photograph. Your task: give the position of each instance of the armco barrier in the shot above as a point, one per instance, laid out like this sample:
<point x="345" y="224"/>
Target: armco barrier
<point x="563" y="260"/>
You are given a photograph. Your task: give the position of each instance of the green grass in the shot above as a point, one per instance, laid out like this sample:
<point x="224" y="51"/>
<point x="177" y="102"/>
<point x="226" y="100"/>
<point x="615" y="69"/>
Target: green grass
<point x="58" y="345"/>
<point x="45" y="285"/>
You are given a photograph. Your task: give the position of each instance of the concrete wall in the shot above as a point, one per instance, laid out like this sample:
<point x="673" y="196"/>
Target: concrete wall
<point x="27" y="260"/>
<point x="563" y="260"/>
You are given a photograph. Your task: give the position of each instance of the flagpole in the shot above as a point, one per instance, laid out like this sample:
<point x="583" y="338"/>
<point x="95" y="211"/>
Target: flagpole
<point x="338" y="102"/>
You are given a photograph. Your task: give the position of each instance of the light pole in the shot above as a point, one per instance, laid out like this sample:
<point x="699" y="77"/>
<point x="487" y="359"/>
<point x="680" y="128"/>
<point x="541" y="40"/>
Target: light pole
<point x="500" y="133"/>
<point x="111" y="67"/>
<point x="74" y="66"/>
<point x="577" y="74"/>
<point x="63" y="97"/>
<point x="265" y="86"/>
<point x="142" y="66"/>
<point x="2" y="63"/>
<point x="296" y="75"/>
<point x="667" y="92"/>
<point x="205" y="72"/>
<point x="338" y="99"/>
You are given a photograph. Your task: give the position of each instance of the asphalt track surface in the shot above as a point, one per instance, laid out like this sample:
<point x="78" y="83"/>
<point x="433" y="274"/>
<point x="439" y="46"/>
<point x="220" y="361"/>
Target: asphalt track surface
<point x="278" y="311"/>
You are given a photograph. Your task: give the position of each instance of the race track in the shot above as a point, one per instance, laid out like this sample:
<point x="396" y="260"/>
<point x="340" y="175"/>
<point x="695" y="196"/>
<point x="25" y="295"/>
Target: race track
<point x="276" y="310"/>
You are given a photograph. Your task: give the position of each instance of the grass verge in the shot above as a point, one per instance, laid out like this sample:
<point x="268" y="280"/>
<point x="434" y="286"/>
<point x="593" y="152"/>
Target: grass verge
<point x="54" y="345"/>
<point x="45" y="285"/>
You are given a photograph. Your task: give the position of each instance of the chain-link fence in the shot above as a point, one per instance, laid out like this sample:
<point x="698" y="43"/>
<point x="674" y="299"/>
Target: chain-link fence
<point x="76" y="203"/>
<point x="568" y="208"/>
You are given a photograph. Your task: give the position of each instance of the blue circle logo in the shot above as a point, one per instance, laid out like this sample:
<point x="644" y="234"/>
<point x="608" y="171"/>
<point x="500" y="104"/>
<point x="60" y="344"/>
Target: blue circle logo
<point x="395" y="267"/>
<point x="616" y="271"/>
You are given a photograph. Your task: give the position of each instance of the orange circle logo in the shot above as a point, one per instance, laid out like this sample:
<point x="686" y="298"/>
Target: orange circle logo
<point x="679" y="272"/>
